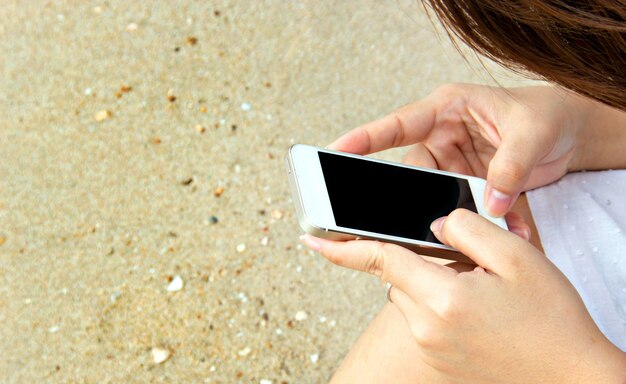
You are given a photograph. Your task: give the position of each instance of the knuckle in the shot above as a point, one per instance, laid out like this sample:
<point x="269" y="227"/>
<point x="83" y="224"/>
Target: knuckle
<point x="509" y="171"/>
<point x="426" y="334"/>
<point x="375" y="263"/>
<point x="400" y="133"/>
<point x="450" y="305"/>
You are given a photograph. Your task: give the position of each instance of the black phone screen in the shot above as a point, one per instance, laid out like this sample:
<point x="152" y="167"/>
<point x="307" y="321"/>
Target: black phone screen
<point x="388" y="199"/>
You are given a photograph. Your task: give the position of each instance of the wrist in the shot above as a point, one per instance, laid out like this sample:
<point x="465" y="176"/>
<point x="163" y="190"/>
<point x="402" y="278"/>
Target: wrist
<point x="603" y="363"/>
<point x="601" y="137"/>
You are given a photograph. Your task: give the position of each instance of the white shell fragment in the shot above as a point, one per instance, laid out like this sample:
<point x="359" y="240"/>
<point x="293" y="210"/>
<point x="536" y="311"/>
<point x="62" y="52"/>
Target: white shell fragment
<point x="314" y="358"/>
<point x="241" y="248"/>
<point x="160" y="355"/>
<point x="244" y="352"/>
<point x="301" y="315"/>
<point x="176" y="284"/>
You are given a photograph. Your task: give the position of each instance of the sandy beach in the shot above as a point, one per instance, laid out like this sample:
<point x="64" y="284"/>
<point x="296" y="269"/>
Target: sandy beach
<point x="147" y="232"/>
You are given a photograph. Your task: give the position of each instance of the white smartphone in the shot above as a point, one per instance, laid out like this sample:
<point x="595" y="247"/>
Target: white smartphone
<point x="342" y="196"/>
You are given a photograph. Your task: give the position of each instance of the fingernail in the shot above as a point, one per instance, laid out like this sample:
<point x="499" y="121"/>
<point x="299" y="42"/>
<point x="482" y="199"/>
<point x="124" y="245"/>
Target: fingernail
<point x="498" y="202"/>
<point x="310" y="242"/>
<point x="436" y="225"/>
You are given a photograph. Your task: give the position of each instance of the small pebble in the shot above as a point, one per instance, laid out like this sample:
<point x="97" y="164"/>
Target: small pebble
<point x="103" y="115"/>
<point x="314" y="358"/>
<point x="88" y="91"/>
<point x="176" y="284"/>
<point x="97" y="9"/>
<point x="265" y="381"/>
<point x="265" y="241"/>
<point x="244" y="352"/>
<point x="124" y="88"/>
<point x="200" y="128"/>
<point x="203" y="109"/>
<point x="279" y="331"/>
<point x="192" y="40"/>
<point x="170" y="96"/>
<point x="323" y="319"/>
<point x="160" y="355"/>
<point x="301" y="316"/>
<point x="246" y="106"/>
<point x="218" y="191"/>
<point x="277" y="214"/>
<point x="3" y="239"/>
<point x="53" y="329"/>
<point x="131" y="27"/>
<point x="241" y="248"/>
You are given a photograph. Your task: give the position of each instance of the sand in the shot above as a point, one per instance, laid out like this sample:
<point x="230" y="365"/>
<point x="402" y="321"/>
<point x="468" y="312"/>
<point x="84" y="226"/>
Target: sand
<point x="144" y="208"/>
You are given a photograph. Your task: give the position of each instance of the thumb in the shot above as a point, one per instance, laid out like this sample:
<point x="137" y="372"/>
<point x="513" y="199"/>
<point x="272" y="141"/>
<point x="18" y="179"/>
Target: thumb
<point x="510" y="169"/>
<point x="488" y="245"/>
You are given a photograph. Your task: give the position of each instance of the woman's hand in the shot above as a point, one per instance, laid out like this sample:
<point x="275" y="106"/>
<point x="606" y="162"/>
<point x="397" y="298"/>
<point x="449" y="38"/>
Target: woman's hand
<point x="518" y="139"/>
<point x="515" y="318"/>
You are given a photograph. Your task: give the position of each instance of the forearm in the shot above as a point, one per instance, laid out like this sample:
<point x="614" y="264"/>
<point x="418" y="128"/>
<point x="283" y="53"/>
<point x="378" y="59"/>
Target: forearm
<point x="602" y="139"/>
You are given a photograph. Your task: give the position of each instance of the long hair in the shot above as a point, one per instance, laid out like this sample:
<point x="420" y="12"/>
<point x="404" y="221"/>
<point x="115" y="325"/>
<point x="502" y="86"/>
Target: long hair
<point x="578" y="44"/>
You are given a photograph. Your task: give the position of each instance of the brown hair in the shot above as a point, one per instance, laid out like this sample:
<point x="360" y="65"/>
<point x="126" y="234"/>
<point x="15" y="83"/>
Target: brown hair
<point x="580" y="45"/>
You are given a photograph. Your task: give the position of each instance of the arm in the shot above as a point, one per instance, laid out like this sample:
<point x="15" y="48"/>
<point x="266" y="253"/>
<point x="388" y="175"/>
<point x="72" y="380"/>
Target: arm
<point x="513" y="318"/>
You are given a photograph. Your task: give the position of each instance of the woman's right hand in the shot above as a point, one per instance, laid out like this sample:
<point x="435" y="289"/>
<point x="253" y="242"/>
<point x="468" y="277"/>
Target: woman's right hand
<point x="518" y="139"/>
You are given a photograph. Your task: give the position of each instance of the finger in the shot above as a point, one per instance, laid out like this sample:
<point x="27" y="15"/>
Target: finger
<point x="510" y="169"/>
<point x="407" y="125"/>
<point x="419" y="316"/>
<point x="390" y="262"/>
<point x="419" y="156"/>
<point x="516" y="224"/>
<point x="490" y="246"/>
<point x="410" y="309"/>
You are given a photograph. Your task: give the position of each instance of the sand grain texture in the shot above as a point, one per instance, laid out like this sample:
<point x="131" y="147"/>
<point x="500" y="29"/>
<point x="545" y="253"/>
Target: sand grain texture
<point x="100" y="211"/>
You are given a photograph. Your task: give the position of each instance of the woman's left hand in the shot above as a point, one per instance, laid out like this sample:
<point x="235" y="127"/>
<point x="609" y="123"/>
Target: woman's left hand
<point x="514" y="318"/>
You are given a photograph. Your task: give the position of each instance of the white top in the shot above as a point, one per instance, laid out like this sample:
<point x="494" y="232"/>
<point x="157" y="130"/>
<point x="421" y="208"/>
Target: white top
<point x="581" y="221"/>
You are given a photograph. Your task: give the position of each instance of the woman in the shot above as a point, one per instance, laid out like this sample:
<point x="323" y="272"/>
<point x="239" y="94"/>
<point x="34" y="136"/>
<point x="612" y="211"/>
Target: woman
<point x="516" y="318"/>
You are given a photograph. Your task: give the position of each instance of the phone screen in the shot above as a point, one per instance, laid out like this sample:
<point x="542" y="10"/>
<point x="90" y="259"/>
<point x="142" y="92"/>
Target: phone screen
<point x="388" y="199"/>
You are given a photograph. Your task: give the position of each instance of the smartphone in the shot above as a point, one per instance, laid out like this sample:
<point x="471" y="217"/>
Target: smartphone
<point x="341" y="196"/>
